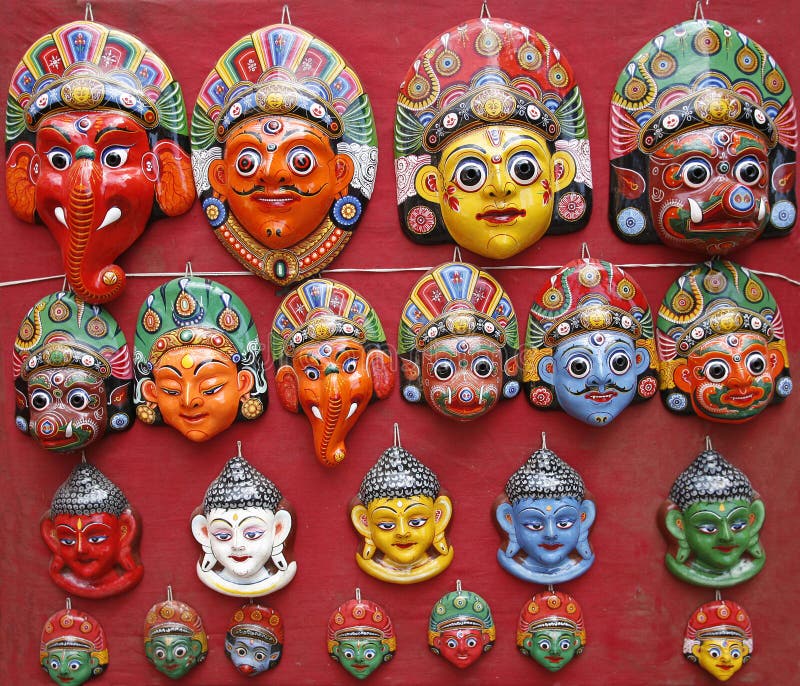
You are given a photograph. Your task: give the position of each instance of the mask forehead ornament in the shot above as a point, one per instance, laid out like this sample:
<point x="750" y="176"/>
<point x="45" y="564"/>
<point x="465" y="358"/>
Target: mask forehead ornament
<point x="72" y="373"/>
<point x="551" y="629"/>
<point x="73" y="647"/>
<point x="703" y="142"/>
<point x="284" y="152"/>
<point x="470" y="93"/>
<point x="254" y="640"/>
<point x="96" y="133"/>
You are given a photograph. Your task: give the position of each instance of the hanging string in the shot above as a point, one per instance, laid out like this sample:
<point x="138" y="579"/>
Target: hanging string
<point x="485" y="10"/>
<point x="88" y="15"/>
<point x="286" y="18"/>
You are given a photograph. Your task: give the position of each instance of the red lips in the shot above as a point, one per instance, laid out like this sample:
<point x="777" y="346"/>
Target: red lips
<point x="498" y="216"/>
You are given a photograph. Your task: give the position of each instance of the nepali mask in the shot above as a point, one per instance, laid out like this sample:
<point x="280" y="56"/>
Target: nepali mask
<point x="93" y="534"/>
<point x="174" y="638"/>
<point x="285" y="152"/>
<point x="544" y="516"/>
<point x="551" y="630"/>
<point x="197" y="359"/>
<point x="254" y="640"/>
<point x="73" y="378"/>
<point x="243" y="526"/>
<point x="589" y="348"/>
<point x="458" y="342"/>
<point x="721" y="343"/>
<point x="491" y="145"/>
<point x="461" y="628"/>
<point x="703" y="142"/>
<point x="402" y="514"/>
<point x="361" y="636"/>
<point x="712" y="520"/>
<point x="74" y="648"/>
<point x="96" y="140"/>
<point x="719" y="638"/>
<point x="331" y="360"/>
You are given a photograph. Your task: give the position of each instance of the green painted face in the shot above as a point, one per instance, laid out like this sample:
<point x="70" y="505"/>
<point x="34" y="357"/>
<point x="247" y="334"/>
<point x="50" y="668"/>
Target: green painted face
<point x="360" y="657"/>
<point x="719" y="532"/>
<point x="73" y="667"/>
<point x="553" y="649"/>
<point x="173" y="655"/>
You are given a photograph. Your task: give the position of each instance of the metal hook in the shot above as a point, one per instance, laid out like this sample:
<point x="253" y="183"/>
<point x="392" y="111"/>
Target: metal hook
<point x="358" y="594"/>
<point x="238" y="448"/>
<point x="457" y="254"/>
<point x="65" y="285"/>
<point x="717" y="595"/>
<point x="189" y="271"/>
<point x="88" y="15"/>
<point x="169" y="593"/>
<point x="458" y="585"/>
<point x="397" y="435"/>
<point x="708" y="443"/>
<point x="68" y="603"/>
<point x="698" y="9"/>
<point x="544" y="441"/>
<point x="83" y="456"/>
<point x="585" y="251"/>
<point x="285" y="16"/>
<point x="485" y="10"/>
<point x="550" y="588"/>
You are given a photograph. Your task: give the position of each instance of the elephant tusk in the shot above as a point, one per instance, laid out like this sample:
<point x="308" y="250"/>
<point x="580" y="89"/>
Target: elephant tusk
<point x="59" y="212"/>
<point x="111" y="216"/>
<point x="695" y="211"/>
<point x="315" y="411"/>
<point x="352" y="411"/>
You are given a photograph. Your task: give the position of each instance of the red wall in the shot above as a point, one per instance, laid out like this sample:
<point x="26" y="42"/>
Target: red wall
<point x="635" y="611"/>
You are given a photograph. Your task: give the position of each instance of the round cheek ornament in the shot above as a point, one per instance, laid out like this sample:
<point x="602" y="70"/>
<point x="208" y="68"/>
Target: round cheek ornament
<point x="331" y="361"/>
<point x="589" y="347"/>
<point x="93" y="534"/>
<point x="254" y="640"/>
<point x="712" y="521"/>
<point x="197" y="359"/>
<point x="73" y="378"/>
<point x="491" y="109"/>
<point x="461" y="628"/>
<point x="402" y="514"/>
<point x="73" y="648"/>
<point x="97" y="144"/>
<point x="458" y="342"/>
<point x="244" y="527"/>
<point x="361" y="636"/>
<point x="551" y="630"/>
<point x="544" y="517"/>
<point x="174" y="638"/>
<point x="721" y="343"/>
<point x="284" y="151"/>
<point x="703" y="142"/>
<point x="719" y="638"/>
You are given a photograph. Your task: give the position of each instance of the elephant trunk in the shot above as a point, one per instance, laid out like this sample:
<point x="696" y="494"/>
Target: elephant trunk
<point x="333" y="428"/>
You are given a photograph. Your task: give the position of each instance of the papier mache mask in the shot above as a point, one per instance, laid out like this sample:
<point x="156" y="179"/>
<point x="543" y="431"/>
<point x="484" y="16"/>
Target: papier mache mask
<point x="402" y="515"/>
<point x="461" y="628"/>
<point x="458" y="342"/>
<point x="93" y="533"/>
<point x="197" y="359"/>
<point x="490" y="141"/>
<point x="74" y="648"/>
<point x="73" y="377"/>
<point x="703" y="142"/>
<point x="96" y="143"/>
<point x="331" y="360"/>
<point x="721" y="343"/>
<point x="551" y="629"/>
<point x="712" y="520"/>
<point x="719" y="638"/>
<point x="244" y="527"/>
<point x="361" y="636"/>
<point x="254" y="640"/>
<point x="284" y="151"/>
<point x="589" y="347"/>
<point x="175" y="640"/>
<point x="545" y="515"/>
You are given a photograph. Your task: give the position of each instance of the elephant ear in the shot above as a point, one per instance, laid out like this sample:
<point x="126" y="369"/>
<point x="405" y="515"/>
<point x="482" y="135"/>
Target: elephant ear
<point x="175" y="186"/>
<point x="381" y="372"/>
<point x="20" y="189"/>
<point x="286" y="381"/>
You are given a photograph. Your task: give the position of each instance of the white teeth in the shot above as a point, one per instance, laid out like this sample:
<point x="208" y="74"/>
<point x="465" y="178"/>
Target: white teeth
<point x="111" y="216"/>
<point x="353" y="408"/>
<point x="762" y="210"/>
<point x="68" y="431"/>
<point x="315" y="411"/>
<point x="695" y="211"/>
<point x="59" y="212"/>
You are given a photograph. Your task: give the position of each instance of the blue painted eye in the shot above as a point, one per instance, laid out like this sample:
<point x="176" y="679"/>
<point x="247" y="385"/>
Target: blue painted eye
<point x="78" y="399"/>
<point x="312" y="373"/>
<point x="443" y="369"/>
<point x="747" y="171"/>
<point x="114" y="156"/>
<point x="472" y="642"/>
<point x="470" y="174"/>
<point x="695" y="172"/>
<point x="482" y="366"/>
<point x="523" y="168"/>
<point x="544" y="644"/>
<point x="350" y="365"/>
<point x="59" y="158"/>
<point x="565" y="644"/>
<point x="369" y="654"/>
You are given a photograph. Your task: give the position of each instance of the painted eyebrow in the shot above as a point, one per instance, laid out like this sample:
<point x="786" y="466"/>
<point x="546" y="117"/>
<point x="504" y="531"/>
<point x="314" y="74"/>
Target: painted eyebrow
<point x="520" y="137"/>
<point x="173" y="369"/>
<point x="312" y="356"/>
<point x="205" y="362"/>
<point x="63" y="132"/>
<point x="476" y="148"/>
<point x="220" y="519"/>
<point x="108" y="129"/>
<point x="385" y="507"/>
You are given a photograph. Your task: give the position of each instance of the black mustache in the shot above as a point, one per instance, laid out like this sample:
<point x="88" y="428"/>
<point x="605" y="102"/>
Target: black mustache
<point x="291" y="189"/>
<point x="595" y="387"/>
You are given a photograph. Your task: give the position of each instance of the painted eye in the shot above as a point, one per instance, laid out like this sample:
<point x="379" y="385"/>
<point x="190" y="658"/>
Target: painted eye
<point x="470" y="174"/>
<point x="714" y="652"/>
<point x="452" y="643"/>
<point x="417" y="522"/>
<point x="74" y="665"/>
<point x="535" y="526"/>
<point x="523" y="168"/>
<point x="253" y="535"/>
<point x="40" y="400"/>
<point x="160" y="653"/>
<point x="716" y="370"/>
<point x="247" y="162"/>
<point x="443" y="369"/>
<point x="66" y="541"/>
<point x="260" y="655"/>
<point x="350" y="365"/>
<point x="565" y="644"/>
<point x="738" y="526"/>
<point x="544" y="644"/>
<point x="348" y="653"/>
<point x="54" y="663"/>
<point x="695" y="172"/>
<point x="222" y="535"/>
<point x="114" y="156"/>
<point x="301" y="161"/>
<point x="59" y="158"/>
<point x="707" y="529"/>
<point x="78" y="399"/>
<point x="312" y="373"/>
<point x="482" y="366"/>
<point x="620" y="362"/>
<point x="756" y="364"/>
<point x="241" y="652"/>
<point x="369" y="654"/>
<point x="472" y="642"/>
<point x="97" y="539"/>
<point x="747" y="171"/>
<point x="564" y="524"/>
<point x="180" y="651"/>
<point x="385" y="526"/>
<point x="579" y="366"/>
<point x="735" y="653"/>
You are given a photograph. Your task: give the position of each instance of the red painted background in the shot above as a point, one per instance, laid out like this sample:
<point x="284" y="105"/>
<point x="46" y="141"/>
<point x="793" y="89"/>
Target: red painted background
<point x="635" y="611"/>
